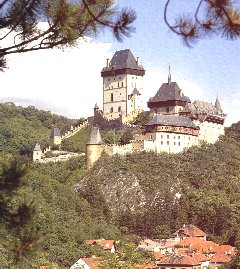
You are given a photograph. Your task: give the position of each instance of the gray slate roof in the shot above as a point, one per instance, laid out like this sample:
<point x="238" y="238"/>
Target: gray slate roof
<point x="218" y="106"/>
<point x="201" y="107"/>
<point x="123" y="59"/>
<point x="37" y="147"/>
<point x="171" y="120"/>
<point x="55" y="132"/>
<point x="136" y="91"/>
<point x="95" y="137"/>
<point x="167" y="92"/>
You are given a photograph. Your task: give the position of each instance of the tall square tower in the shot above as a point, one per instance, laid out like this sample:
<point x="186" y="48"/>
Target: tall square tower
<point x="122" y="85"/>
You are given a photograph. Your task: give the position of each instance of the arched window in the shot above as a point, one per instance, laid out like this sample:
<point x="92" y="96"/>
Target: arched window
<point x="111" y="97"/>
<point x="111" y="110"/>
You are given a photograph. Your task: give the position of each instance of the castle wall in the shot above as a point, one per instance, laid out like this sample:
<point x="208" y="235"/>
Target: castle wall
<point x="209" y="131"/>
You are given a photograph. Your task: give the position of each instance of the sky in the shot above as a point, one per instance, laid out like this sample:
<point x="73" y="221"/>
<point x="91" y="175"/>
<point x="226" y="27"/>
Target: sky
<point x="69" y="82"/>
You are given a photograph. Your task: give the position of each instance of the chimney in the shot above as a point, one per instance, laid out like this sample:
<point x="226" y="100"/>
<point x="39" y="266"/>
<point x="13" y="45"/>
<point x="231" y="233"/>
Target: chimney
<point x="138" y="61"/>
<point x="107" y="62"/>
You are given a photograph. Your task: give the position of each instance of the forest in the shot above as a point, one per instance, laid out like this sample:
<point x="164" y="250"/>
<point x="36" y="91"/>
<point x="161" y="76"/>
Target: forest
<point x="44" y="220"/>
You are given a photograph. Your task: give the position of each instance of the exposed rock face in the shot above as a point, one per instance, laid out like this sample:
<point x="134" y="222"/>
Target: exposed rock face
<point x="121" y="192"/>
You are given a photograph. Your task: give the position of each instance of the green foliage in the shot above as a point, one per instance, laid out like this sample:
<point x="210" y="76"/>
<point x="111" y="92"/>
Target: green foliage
<point x="67" y="22"/>
<point x="142" y="118"/>
<point x="126" y="137"/>
<point x="127" y="257"/>
<point x="77" y="142"/>
<point x="199" y="186"/>
<point x="111" y="137"/>
<point x="21" y="128"/>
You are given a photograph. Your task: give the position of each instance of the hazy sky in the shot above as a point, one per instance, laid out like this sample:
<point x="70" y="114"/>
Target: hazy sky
<point x="69" y="82"/>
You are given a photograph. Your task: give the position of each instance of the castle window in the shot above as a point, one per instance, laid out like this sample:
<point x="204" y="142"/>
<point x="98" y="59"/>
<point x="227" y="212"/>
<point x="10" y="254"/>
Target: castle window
<point x="111" y="97"/>
<point x="161" y="142"/>
<point x="111" y="110"/>
<point x="109" y="79"/>
<point x="118" y="84"/>
<point x="120" y="78"/>
<point x="167" y="109"/>
<point x="179" y="137"/>
<point x="179" y="143"/>
<point x="122" y="84"/>
<point x="167" y="136"/>
<point x="167" y="142"/>
<point x="113" y="78"/>
<point x="174" y="143"/>
<point x="161" y="136"/>
<point x="119" y="109"/>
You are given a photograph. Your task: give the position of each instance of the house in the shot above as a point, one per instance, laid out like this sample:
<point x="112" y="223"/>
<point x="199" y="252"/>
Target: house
<point x="86" y="263"/>
<point x="108" y="245"/>
<point x="178" y="261"/>
<point x="190" y="231"/>
<point x="218" y="259"/>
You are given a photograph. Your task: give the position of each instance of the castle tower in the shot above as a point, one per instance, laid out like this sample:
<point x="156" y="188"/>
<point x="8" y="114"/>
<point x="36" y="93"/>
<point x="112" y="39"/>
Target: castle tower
<point x="55" y="137"/>
<point x="93" y="147"/>
<point x="37" y="153"/>
<point x="122" y="85"/>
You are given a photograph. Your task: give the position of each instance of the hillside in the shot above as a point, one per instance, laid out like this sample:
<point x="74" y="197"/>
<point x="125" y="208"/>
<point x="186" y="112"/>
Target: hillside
<point x="21" y="128"/>
<point x="143" y="194"/>
<point x="200" y="186"/>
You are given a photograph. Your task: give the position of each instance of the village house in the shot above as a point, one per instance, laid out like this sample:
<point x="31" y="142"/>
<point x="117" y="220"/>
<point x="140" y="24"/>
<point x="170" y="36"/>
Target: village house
<point x="86" y="263"/>
<point x="189" y="231"/>
<point x="108" y="245"/>
<point x="178" y="261"/>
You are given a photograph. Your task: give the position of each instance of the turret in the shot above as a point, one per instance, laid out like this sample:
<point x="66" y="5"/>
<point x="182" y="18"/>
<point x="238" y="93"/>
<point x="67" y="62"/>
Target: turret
<point x="94" y="147"/>
<point x="37" y="153"/>
<point x="55" y="137"/>
<point x="218" y="106"/>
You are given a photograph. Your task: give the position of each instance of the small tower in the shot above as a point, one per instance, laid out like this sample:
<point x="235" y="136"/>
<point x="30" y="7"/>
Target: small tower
<point x="55" y="137"/>
<point x="218" y="106"/>
<point x="93" y="147"/>
<point x="37" y="153"/>
<point x="121" y="76"/>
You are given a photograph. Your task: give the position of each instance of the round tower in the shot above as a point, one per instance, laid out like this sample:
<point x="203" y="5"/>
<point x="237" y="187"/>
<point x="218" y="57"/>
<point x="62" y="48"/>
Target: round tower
<point x="37" y="153"/>
<point x="93" y="147"/>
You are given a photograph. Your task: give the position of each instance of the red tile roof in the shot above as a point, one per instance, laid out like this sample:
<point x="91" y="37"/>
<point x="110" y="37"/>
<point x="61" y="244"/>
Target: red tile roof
<point x="190" y="230"/>
<point x="200" y="257"/>
<point x="227" y="249"/>
<point x="203" y="246"/>
<point x="220" y="258"/>
<point x="105" y="244"/>
<point x="188" y="242"/>
<point x="91" y="262"/>
<point x="158" y="255"/>
<point x="178" y="260"/>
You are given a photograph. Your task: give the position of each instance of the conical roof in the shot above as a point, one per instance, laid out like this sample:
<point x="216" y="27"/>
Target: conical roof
<point x="37" y="147"/>
<point x="95" y="137"/>
<point x="218" y="106"/>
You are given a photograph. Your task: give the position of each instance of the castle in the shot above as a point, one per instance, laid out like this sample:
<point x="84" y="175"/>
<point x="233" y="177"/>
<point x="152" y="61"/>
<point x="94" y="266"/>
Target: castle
<point x="176" y="123"/>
